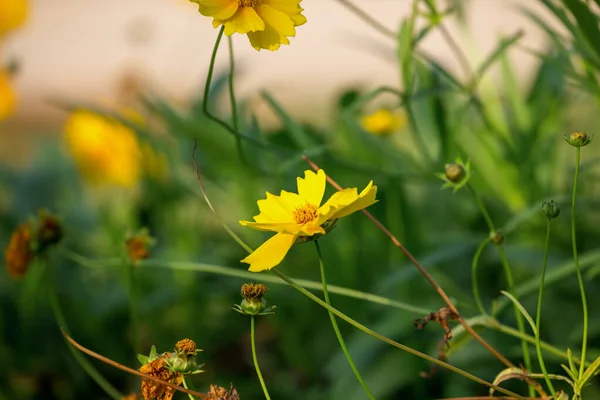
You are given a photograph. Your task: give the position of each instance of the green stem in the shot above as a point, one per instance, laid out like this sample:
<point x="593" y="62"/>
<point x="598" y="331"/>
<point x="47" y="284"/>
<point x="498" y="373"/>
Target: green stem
<point x="336" y="328"/>
<point x="509" y="282"/>
<point x="390" y="341"/>
<point x="85" y="364"/>
<point x="538" y="315"/>
<point x="133" y="309"/>
<point x="474" y="276"/>
<point x="186" y="386"/>
<point x="255" y="359"/>
<point x="232" y="101"/>
<point x="576" y="259"/>
<point x="374" y="23"/>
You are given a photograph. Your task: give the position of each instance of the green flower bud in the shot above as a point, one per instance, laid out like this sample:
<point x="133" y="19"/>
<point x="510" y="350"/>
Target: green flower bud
<point x="183" y="359"/>
<point x="496" y="237"/>
<point x="253" y="306"/>
<point x="551" y="209"/>
<point x="578" y="139"/>
<point x="253" y="302"/>
<point x="454" y="172"/>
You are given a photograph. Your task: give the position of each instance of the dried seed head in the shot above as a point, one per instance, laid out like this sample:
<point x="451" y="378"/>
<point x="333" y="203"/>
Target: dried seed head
<point x="220" y="393"/>
<point x="253" y="291"/>
<point x="18" y="254"/>
<point x="187" y="346"/>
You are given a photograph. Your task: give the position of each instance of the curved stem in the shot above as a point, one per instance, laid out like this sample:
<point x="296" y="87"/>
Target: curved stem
<point x="390" y="341"/>
<point x="85" y="364"/>
<point x="186" y="386"/>
<point x="255" y="359"/>
<point x="474" y="276"/>
<point x="336" y="328"/>
<point x="538" y="315"/>
<point x="509" y="281"/>
<point x="576" y="259"/>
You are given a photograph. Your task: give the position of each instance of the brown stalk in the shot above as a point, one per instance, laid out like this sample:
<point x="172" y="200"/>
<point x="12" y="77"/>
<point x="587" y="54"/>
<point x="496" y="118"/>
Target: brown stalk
<point x="131" y="370"/>
<point x="423" y="272"/>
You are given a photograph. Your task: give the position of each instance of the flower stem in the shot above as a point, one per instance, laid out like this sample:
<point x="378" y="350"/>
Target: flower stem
<point x="390" y="341"/>
<point x="85" y="364"/>
<point x="232" y="101"/>
<point x="576" y="260"/>
<point x="336" y="328"/>
<point x="474" y="276"/>
<point x="509" y="282"/>
<point x="186" y="386"/>
<point x="374" y="23"/>
<point x="538" y="315"/>
<point x="255" y="359"/>
<point x="133" y="309"/>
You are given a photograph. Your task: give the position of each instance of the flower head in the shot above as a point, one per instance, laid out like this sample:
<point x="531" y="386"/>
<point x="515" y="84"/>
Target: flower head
<point x="253" y="302"/>
<point x="578" y="139"/>
<point x="8" y="98"/>
<point x="19" y="254"/>
<point x="183" y="359"/>
<point x="297" y="216"/>
<point x="383" y="122"/>
<point x="12" y="15"/>
<point x="268" y="23"/>
<point x="220" y="393"/>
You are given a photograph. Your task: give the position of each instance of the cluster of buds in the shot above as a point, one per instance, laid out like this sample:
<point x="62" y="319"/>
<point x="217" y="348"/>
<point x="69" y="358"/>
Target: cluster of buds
<point x="32" y="238"/>
<point x="138" y="245"/>
<point x="456" y="174"/>
<point x="253" y="302"/>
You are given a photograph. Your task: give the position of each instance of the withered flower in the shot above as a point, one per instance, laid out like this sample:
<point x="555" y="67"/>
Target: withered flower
<point x="220" y="393"/>
<point x="442" y="317"/>
<point x="253" y="302"/>
<point x="158" y="368"/>
<point x="138" y="245"/>
<point x="18" y="254"/>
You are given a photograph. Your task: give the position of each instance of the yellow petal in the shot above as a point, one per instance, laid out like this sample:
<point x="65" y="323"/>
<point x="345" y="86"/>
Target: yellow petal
<point x="286" y="6"/>
<point x="218" y="9"/>
<point x="278" y="208"/>
<point x="292" y="229"/>
<point x="312" y="187"/>
<point x="244" y="20"/>
<point x="270" y="253"/>
<point x="364" y="200"/>
<point x="268" y="39"/>
<point x="277" y="19"/>
<point x="298" y="19"/>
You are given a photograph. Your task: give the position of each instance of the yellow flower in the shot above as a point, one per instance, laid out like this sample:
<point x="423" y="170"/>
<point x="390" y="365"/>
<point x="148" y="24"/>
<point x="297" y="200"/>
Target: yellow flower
<point x="383" y="122"/>
<point x="268" y="23"/>
<point x="12" y="14"/>
<point x="298" y="216"/>
<point x="7" y="95"/>
<point x="104" y="150"/>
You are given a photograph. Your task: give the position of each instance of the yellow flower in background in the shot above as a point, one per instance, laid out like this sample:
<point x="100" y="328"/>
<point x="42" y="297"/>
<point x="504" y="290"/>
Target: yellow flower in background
<point x="12" y="14"/>
<point x="268" y="23"/>
<point x="383" y="122"/>
<point x="296" y="217"/>
<point x="8" y="99"/>
<point x="104" y="150"/>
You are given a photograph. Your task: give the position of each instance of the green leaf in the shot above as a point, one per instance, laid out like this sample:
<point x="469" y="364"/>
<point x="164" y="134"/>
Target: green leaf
<point x="502" y="47"/>
<point x="589" y="373"/>
<point x="297" y="133"/>
<point x="522" y="310"/>
<point x="588" y="22"/>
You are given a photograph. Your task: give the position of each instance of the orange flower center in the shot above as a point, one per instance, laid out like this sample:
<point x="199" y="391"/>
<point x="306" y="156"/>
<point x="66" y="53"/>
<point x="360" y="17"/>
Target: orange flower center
<point x="305" y="213"/>
<point x="247" y="3"/>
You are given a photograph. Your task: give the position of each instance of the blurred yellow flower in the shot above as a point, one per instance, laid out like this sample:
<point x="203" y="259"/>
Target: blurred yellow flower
<point x="268" y="23"/>
<point x="383" y="122"/>
<point x="297" y="217"/>
<point x="12" y="14"/>
<point x="104" y="150"/>
<point x="7" y="95"/>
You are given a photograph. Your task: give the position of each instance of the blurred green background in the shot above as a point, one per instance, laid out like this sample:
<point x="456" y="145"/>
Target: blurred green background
<point x="510" y="128"/>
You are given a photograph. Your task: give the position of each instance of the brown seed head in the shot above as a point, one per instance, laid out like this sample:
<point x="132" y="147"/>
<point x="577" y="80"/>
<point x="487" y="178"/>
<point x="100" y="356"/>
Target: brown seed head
<point x="253" y="291"/>
<point x="158" y="368"/>
<point x="187" y="346"/>
<point x="220" y="393"/>
<point x="18" y="254"/>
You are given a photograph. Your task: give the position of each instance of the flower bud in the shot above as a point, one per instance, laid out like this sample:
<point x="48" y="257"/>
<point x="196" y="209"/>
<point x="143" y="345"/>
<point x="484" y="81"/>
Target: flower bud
<point x="551" y="209"/>
<point x="578" y="139"/>
<point x="454" y="172"/>
<point x="183" y="359"/>
<point x="253" y="302"/>
<point x="496" y="237"/>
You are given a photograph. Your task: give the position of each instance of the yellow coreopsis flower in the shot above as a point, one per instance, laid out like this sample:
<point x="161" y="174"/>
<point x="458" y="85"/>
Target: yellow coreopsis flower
<point x="296" y="217"/>
<point x="268" y="23"/>
<point x="383" y="122"/>
<point x="7" y="95"/>
<point x="104" y="150"/>
<point x="12" y="14"/>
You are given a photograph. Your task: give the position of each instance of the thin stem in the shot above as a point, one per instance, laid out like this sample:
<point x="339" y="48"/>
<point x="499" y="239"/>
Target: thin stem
<point x="336" y="328"/>
<point x="255" y="359"/>
<point x="390" y="341"/>
<point x="509" y="281"/>
<point x="374" y="23"/>
<point x="460" y="55"/>
<point x="423" y="272"/>
<point x="538" y="315"/>
<point x="133" y="309"/>
<point x="186" y="386"/>
<point x="232" y="101"/>
<point x="576" y="259"/>
<point x="85" y="364"/>
<point x="474" y="276"/>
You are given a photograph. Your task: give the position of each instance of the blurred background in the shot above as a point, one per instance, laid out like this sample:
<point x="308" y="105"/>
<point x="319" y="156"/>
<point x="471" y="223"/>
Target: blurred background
<point x="100" y="103"/>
